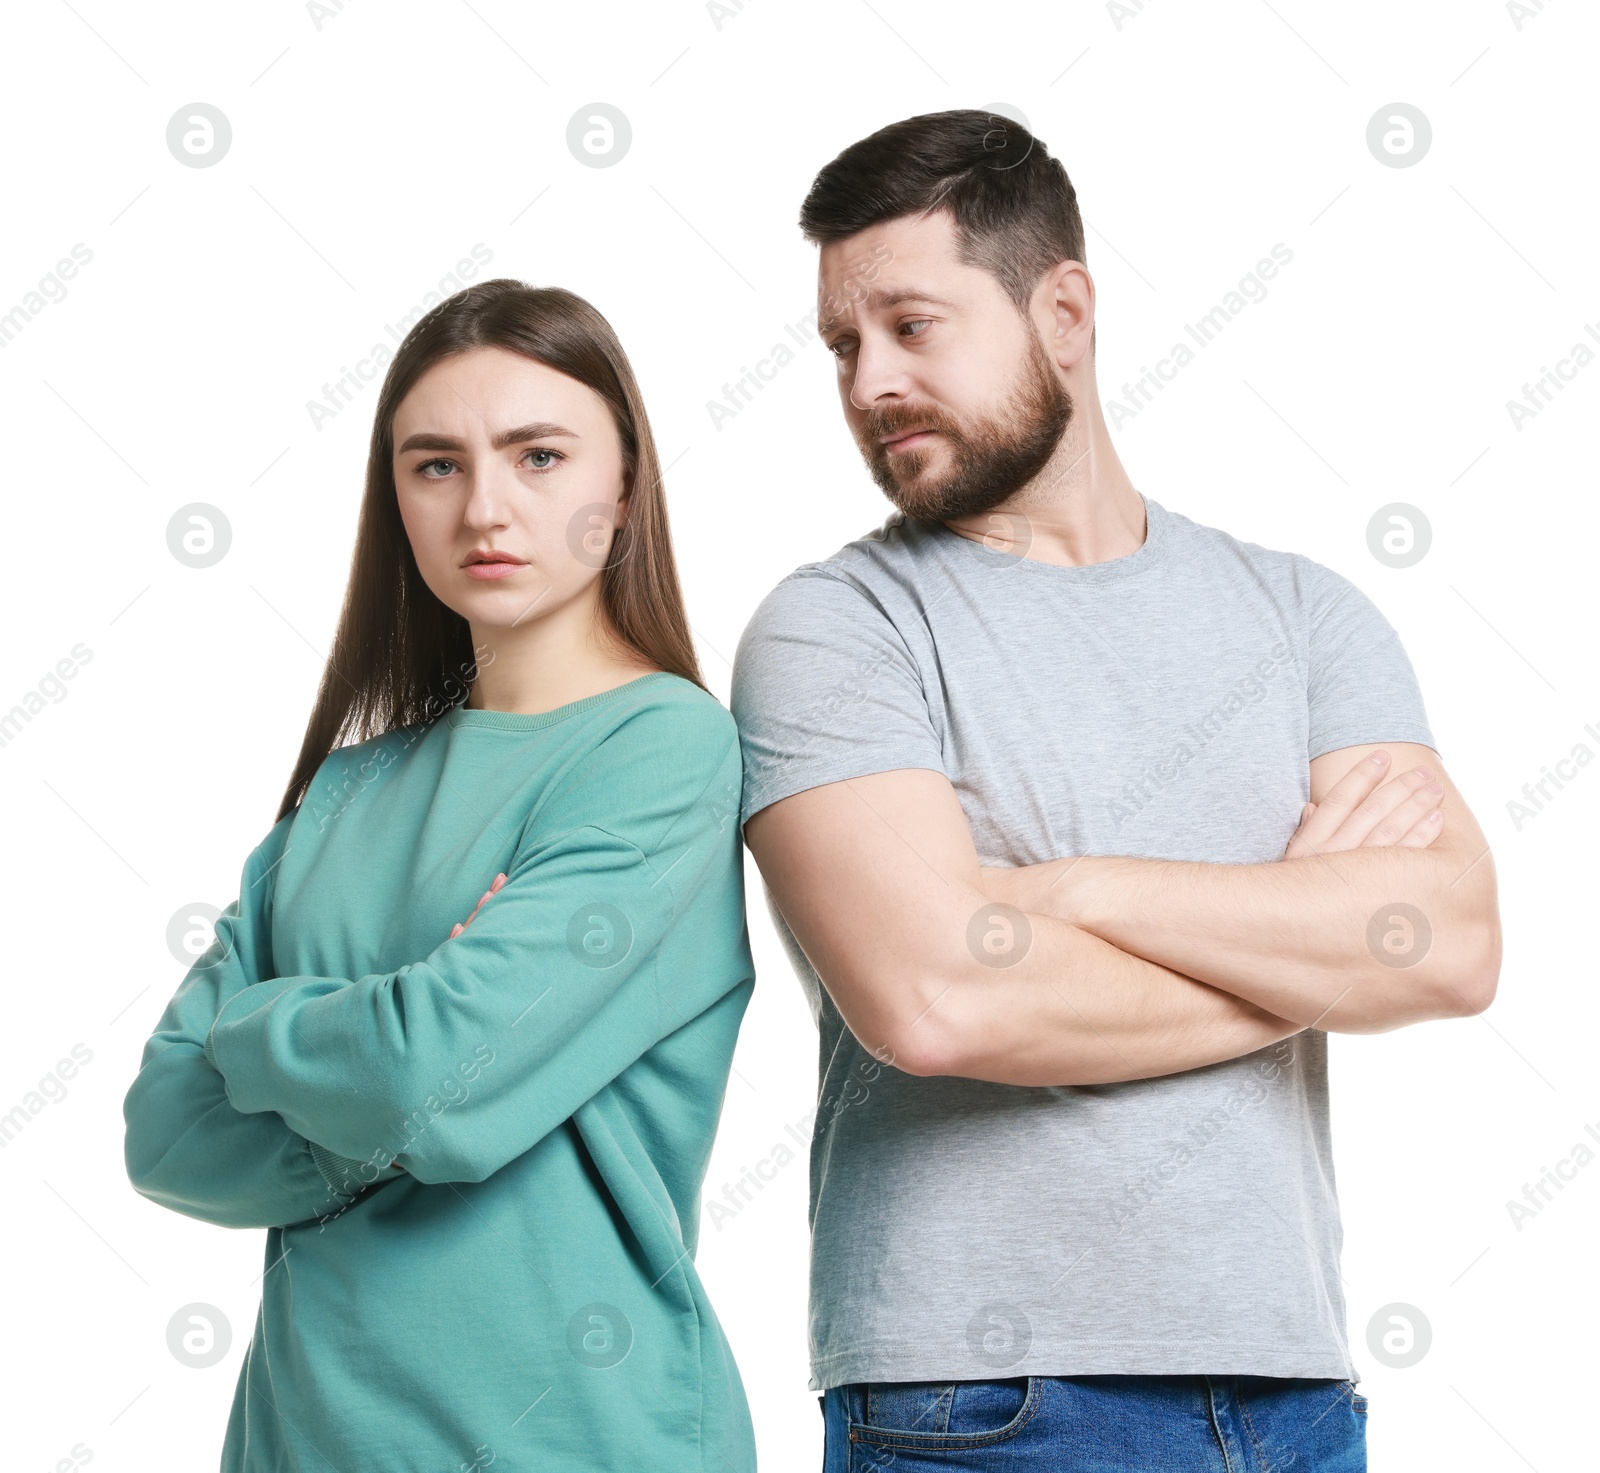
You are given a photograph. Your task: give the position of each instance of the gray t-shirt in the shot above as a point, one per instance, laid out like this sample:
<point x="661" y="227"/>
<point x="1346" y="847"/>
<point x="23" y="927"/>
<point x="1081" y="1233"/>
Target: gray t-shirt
<point x="1164" y="704"/>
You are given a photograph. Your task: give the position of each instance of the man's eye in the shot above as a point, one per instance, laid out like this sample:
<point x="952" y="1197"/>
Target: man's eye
<point x="916" y="322"/>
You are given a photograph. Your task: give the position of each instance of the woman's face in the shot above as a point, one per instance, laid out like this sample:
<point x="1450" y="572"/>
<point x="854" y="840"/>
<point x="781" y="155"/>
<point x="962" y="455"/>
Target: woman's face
<point x="495" y="452"/>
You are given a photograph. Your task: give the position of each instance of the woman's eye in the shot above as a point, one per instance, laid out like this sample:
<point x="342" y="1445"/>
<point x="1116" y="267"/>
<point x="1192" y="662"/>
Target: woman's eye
<point x="423" y="468"/>
<point x="556" y="454"/>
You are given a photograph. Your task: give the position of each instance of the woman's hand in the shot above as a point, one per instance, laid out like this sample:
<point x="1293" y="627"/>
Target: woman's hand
<point x="461" y="926"/>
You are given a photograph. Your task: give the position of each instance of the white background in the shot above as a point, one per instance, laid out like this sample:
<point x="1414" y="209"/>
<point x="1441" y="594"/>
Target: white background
<point x="372" y="152"/>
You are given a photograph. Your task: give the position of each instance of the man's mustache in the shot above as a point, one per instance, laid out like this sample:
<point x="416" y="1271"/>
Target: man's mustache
<point x="880" y="423"/>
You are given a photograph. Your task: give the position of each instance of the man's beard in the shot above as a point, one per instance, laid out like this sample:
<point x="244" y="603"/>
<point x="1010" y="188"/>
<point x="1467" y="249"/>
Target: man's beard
<point x="991" y="458"/>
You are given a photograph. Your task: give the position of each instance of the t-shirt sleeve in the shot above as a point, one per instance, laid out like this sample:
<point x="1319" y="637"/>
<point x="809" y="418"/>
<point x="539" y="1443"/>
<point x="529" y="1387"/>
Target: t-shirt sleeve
<point x="1361" y="687"/>
<point x="825" y="689"/>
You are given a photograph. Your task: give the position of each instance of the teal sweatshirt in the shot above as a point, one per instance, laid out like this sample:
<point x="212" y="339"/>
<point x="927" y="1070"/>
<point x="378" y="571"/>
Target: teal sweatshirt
<point x="478" y="1159"/>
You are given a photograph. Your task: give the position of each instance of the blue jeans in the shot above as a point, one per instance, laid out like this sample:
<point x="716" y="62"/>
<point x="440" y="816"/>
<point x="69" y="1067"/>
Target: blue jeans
<point x="1097" y="1424"/>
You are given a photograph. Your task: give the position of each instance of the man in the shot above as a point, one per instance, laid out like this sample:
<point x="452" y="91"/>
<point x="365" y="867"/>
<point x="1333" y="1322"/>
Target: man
<point x="1027" y="774"/>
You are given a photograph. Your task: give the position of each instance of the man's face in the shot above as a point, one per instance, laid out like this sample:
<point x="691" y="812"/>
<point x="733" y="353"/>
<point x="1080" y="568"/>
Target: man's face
<point x="948" y="391"/>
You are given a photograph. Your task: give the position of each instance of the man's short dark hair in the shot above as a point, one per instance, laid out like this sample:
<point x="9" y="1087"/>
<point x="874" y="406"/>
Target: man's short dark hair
<point x="1016" y="212"/>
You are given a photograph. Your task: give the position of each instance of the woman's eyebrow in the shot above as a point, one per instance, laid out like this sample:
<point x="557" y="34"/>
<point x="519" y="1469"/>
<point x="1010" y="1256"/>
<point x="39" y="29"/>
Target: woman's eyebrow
<point x="539" y="430"/>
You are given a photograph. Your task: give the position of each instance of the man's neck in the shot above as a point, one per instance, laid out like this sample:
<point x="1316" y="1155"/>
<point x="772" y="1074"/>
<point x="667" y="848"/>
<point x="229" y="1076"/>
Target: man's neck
<point x="1081" y="508"/>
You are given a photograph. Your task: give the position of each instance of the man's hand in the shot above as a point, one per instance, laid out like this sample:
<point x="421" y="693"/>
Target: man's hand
<point x="1361" y="811"/>
<point x="1294" y="936"/>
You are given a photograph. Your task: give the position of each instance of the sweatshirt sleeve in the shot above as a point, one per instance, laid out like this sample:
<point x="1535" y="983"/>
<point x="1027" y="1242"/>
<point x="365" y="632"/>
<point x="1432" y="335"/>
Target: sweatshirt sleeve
<point x="185" y="1145"/>
<point x="466" y="1059"/>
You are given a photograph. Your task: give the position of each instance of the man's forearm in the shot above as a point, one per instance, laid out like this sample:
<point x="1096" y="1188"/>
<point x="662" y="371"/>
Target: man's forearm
<point x="1074" y="1009"/>
<point x="879" y="883"/>
<point x="1358" y="941"/>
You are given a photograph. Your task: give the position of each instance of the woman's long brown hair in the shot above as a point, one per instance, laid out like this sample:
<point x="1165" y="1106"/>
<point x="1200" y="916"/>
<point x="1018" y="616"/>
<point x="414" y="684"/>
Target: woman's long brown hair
<point x="401" y="657"/>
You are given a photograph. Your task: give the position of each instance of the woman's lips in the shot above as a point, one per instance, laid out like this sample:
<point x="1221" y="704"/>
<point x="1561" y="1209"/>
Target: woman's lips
<point x="486" y="571"/>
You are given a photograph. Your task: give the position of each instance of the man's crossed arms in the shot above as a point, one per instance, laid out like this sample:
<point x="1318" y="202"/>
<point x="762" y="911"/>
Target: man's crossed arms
<point x="1135" y="967"/>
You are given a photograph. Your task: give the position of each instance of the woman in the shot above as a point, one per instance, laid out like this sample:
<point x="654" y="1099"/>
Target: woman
<point x="462" y="1042"/>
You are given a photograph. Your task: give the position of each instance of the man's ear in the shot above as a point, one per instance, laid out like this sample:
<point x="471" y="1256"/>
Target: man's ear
<point x="1070" y="300"/>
